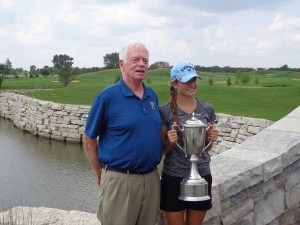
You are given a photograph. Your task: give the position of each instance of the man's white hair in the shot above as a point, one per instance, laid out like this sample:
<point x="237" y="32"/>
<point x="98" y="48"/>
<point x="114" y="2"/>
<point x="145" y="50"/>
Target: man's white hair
<point x="123" y="52"/>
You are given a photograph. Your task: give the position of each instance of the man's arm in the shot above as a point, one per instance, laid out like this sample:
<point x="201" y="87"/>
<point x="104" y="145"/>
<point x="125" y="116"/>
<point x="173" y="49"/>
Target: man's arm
<point x="91" y="149"/>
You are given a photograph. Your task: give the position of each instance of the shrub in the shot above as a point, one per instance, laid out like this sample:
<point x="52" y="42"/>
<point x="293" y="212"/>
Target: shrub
<point x="228" y="82"/>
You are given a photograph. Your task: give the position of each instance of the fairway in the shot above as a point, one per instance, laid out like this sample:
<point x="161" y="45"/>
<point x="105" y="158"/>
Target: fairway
<point x="276" y="94"/>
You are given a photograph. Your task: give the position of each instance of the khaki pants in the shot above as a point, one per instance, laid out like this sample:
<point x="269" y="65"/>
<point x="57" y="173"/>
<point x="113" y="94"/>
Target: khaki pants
<point x="127" y="199"/>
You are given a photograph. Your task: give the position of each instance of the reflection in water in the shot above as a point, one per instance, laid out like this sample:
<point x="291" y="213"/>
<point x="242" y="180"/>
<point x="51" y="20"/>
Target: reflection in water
<point x="39" y="172"/>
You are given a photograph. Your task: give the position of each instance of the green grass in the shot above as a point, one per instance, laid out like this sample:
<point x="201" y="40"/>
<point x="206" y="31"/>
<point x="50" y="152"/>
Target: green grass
<point x="277" y="93"/>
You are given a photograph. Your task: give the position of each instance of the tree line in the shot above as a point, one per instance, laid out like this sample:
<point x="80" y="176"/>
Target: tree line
<point x="63" y="67"/>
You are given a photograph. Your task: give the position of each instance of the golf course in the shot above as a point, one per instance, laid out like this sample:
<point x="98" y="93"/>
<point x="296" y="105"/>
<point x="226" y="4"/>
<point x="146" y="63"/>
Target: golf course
<point x="268" y="94"/>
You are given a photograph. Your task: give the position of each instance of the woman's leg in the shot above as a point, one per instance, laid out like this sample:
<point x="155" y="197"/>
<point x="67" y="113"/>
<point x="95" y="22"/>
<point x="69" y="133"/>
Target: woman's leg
<point x="194" y="217"/>
<point x="175" y="218"/>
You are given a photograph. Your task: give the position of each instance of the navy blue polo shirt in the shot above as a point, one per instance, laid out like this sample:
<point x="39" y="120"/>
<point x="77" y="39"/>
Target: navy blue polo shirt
<point x="129" y="128"/>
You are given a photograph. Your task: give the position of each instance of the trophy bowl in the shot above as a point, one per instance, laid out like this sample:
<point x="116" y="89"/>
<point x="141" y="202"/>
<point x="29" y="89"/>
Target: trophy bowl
<point x="193" y="187"/>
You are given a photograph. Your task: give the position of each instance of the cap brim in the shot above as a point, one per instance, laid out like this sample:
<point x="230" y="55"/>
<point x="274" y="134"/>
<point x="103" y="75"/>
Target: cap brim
<point x="186" y="78"/>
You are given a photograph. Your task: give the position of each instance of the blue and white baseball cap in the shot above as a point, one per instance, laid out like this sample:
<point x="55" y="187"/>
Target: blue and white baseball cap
<point x="183" y="72"/>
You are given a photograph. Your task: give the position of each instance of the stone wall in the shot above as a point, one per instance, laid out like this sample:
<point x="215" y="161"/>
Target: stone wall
<point x="236" y="129"/>
<point x="63" y="122"/>
<point x="66" y="122"/>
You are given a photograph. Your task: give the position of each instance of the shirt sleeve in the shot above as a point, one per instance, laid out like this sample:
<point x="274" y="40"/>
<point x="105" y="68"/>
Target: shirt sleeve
<point x="96" y="120"/>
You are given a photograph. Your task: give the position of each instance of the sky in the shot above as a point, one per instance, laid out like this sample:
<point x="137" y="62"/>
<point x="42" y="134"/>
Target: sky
<point x="236" y="33"/>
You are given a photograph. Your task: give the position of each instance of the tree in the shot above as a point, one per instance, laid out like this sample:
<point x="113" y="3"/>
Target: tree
<point x="8" y="66"/>
<point x="45" y="71"/>
<point x="228" y="82"/>
<point x="2" y="73"/>
<point x="32" y="71"/>
<point x="76" y="71"/>
<point x="1" y="80"/>
<point x="242" y="78"/>
<point x="238" y="76"/>
<point x="245" y="79"/>
<point x="284" y="68"/>
<point x="63" y="64"/>
<point x="59" y="61"/>
<point x="66" y="74"/>
<point x="159" y="64"/>
<point x="111" y="60"/>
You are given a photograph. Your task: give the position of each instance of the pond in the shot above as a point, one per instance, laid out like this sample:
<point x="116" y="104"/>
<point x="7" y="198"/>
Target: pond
<point x="41" y="172"/>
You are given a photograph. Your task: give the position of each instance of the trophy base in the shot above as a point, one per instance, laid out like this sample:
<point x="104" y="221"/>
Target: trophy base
<point x="194" y="190"/>
<point x="193" y="199"/>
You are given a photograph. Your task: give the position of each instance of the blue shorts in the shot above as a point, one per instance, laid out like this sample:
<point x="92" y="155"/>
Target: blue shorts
<point x="170" y="191"/>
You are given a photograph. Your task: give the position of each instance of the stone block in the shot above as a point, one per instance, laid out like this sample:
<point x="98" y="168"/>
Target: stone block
<point x="256" y="122"/>
<point x="227" y="144"/>
<point x="234" y="175"/>
<point x="58" y="137"/>
<point x="42" y="128"/>
<point x="224" y="134"/>
<point x="243" y="137"/>
<point x="246" y="220"/>
<point x="230" y="139"/>
<point x="50" y="112"/>
<point x="57" y="106"/>
<point x="235" y="125"/>
<point x="288" y="124"/>
<point x="291" y="216"/>
<point x="271" y="162"/>
<point x="60" y="113"/>
<point x="292" y="179"/>
<point x="225" y="204"/>
<point x="45" y="135"/>
<point x="269" y="186"/>
<point x="281" y="142"/>
<point x="295" y="113"/>
<point x="234" y="133"/>
<point x="238" y="119"/>
<point x="69" y="107"/>
<point x="254" y="130"/>
<point x="216" y="202"/>
<point x="239" y="141"/>
<point x="72" y="140"/>
<point x="224" y="129"/>
<point x="293" y="196"/>
<point x="250" y="192"/>
<point x="270" y="208"/>
<point x="236" y="213"/>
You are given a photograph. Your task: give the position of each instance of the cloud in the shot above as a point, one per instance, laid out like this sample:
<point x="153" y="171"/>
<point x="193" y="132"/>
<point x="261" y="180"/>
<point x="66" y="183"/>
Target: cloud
<point x="234" y="33"/>
<point x="281" y="23"/>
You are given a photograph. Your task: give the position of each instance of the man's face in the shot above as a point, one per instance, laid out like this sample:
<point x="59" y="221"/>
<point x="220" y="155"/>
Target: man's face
<point x="136" y="65"/>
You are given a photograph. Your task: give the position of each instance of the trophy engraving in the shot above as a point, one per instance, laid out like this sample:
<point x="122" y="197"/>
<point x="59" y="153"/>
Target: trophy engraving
<point x="193" y="187"/>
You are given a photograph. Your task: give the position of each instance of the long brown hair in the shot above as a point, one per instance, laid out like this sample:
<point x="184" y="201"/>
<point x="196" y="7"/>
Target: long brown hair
<point x="173" y="103"/>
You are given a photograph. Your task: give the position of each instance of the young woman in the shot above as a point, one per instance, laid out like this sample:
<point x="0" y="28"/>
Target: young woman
<point x="182" y="105"/>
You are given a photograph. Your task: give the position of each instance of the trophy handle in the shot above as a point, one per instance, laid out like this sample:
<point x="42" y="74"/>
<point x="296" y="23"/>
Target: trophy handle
<point x="209" y="141"/>
<point x="184" y="147"/>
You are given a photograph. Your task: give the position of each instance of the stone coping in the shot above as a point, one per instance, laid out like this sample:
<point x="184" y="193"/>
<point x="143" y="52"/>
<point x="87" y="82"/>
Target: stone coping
<point x="42" y="216"/>
<point x="256" y="160"/>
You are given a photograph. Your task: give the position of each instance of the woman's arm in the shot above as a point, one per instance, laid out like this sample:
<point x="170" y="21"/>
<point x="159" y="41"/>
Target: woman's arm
<point x="169" y="138"/>
<point x="212" y="134"/>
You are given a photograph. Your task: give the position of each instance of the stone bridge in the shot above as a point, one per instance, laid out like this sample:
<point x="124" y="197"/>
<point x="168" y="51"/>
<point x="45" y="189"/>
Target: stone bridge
<point x="256" y="173"/>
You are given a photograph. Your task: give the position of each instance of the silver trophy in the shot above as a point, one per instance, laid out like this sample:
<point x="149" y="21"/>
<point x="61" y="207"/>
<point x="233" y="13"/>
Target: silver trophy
<point x="193" y="187"/>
